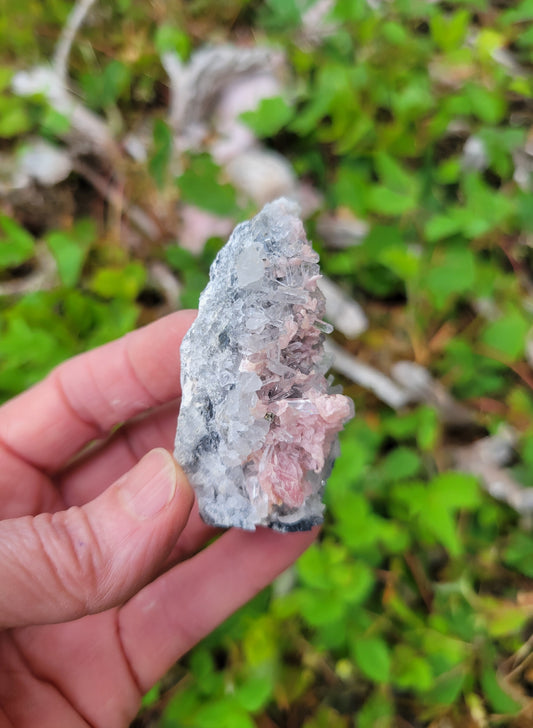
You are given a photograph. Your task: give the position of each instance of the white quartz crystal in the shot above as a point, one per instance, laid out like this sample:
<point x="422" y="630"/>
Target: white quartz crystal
<point x="257" y="429"/>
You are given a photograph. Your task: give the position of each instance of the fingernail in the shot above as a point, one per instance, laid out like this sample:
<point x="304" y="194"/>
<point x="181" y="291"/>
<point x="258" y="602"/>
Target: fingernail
<point x="150" y="486"/>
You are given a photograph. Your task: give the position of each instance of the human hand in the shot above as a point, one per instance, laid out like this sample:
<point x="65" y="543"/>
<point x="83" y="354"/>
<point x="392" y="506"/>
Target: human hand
<point x="102" y="582"/>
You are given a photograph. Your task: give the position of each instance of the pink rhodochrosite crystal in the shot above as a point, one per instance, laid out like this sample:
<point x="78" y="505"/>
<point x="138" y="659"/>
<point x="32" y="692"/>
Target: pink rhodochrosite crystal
<point x="301" y="435"/>
<point x="258" y="424"/>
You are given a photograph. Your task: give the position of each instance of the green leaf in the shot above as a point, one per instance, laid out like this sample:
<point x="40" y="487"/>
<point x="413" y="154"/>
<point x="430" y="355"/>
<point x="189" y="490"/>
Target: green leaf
<point x="350" y="10"/>
<point x="372" y="657"/>
<point x="349" y="468"/>
<point x="201" y="664"/>
<point x="448" y="171"/>
<point x="318" y="611"/>
<point x="506" y="619"/>
<point x="507" y="335"/>
<point x="526" y="451"/>
<point x="488" y="106"/>
<point x="6" y="75"/>
<point x="377" y="712"/>
<point x="519" y="553"/>
<point x="385" y="201"/>
<point x="325" y="716"/>
<point x="53" y="123"/>
<point x="452" y="272"/>
<point x="199" y="185"/>
<point x="441" y="524"/>
<point x="115" y="318"/>
<point x="261" y="642"/>
<point x="254" y="693"/>
<point x="500" y="144"/>
<point x="16" y="244"/>
<point x="14" y="118"/>
<point x="271" y="115"/>
<point x="180" y="259"/>
<point x="104" y="89"/>
<point x="498" y="699"/>
<point x="449" y="32"/>
<point x="428" y="428"/>
<point x="409" y="670"/>
<point x="355" y="521"/>
<point x="454" y="491"/>
<point x="447" y="688"/>
<point x="125" y="283"/>
<point x="444" y="650"/>
<point x="168" y="38"/>
<point x="70" y="251"/>
<point x="357" y="583"/>
<point x="313" y="567"/>
<point x="194" y="282"/>
<point x="180" y="709"/>
<point x="395" y="537"/>
<point x="22" y="343"/>
<point x="223" y="712"/>
<point x="162" y="150"/>
<point x="151" y="697"/>
<point x="393" y="175"/>
<point x="281" y="15"/>
<point x="395" y="33"/>
<point x="486" y="208"/>
<point x="400" y="464"/>
<point x="400" y="260"/>
<point x="472" y="374"/>
<point x="350" y="187"/>
<point x="518" y="12"/>
<point x="440" y="227"/>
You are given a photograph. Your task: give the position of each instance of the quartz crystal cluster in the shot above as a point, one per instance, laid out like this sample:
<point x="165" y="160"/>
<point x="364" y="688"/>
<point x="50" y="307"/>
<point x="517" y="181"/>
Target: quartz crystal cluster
<point x="257" y="429"/>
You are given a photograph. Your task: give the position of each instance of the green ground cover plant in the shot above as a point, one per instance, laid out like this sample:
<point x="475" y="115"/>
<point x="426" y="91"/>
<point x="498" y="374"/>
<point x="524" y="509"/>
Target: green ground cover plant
<point x="415" y="606"/>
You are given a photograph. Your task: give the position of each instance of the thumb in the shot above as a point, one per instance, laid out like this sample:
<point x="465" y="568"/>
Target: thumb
<point x="61" y="566"/>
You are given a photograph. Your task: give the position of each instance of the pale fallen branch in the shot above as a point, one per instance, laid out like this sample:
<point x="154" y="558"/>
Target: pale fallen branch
<point x="196" y="86"/>
<point x="367" y="377"/>
<point x="486" y="459"/>
<point x="64" y="44"/>
<point x="410" y="383"/>
<point x="88" y="133"/>
<point x="316" y="26"/>
<point x="343" y="312"/>
<point x="422" y="387"/>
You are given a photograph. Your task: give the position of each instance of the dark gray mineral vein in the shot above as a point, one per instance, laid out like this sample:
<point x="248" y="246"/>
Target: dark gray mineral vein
<point x="257" y="429"/>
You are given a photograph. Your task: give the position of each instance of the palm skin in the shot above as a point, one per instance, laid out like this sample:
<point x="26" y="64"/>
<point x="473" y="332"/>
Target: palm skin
<point x="95" y="604"/>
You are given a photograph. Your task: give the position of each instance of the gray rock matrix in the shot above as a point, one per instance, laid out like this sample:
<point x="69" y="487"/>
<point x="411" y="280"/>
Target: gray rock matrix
<point x="258" y="424"/>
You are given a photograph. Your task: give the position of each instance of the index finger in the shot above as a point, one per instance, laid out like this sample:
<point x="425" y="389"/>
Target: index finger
<point x="87" y="396"/>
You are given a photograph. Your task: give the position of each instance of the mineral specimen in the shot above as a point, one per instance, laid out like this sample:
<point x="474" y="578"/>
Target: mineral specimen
<point x="257" y="429"/>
